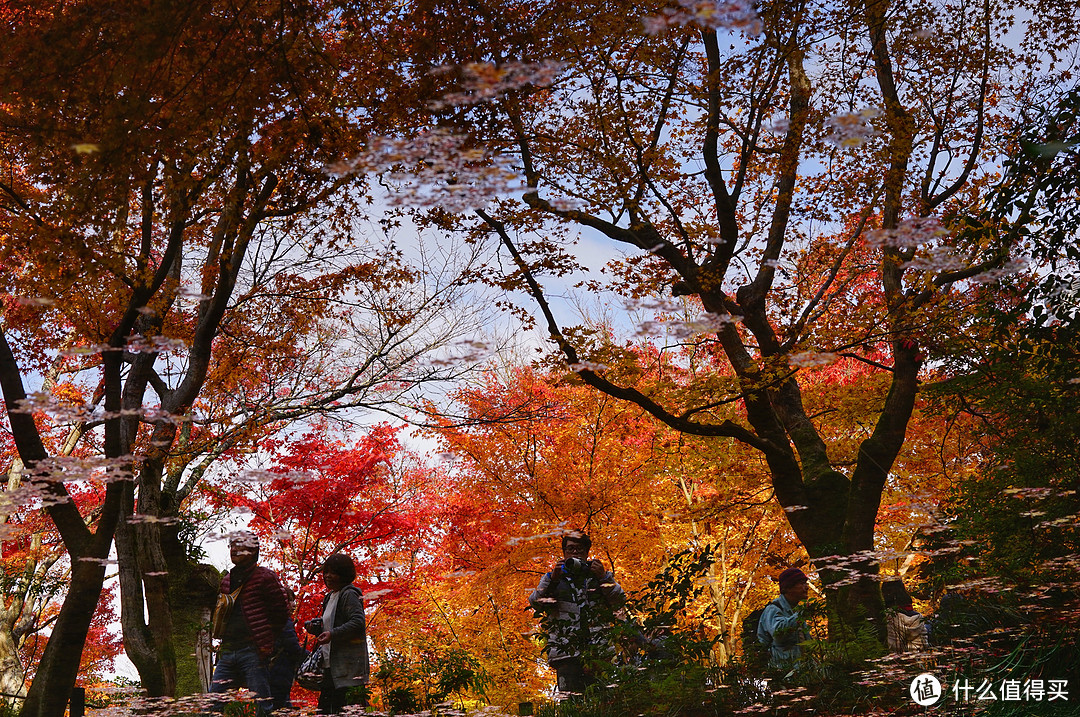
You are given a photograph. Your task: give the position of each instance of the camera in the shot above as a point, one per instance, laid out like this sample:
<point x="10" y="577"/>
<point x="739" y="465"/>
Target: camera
<point x="314" y="626"/>
<point x="575" y="566"/>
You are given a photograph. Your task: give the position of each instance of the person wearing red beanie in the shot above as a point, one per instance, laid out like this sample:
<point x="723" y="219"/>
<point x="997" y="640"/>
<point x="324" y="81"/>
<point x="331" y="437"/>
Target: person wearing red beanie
<point x="781" y="627"/>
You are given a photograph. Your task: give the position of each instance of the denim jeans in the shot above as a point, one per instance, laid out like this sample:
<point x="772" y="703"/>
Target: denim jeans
<point x="243" y="668"/>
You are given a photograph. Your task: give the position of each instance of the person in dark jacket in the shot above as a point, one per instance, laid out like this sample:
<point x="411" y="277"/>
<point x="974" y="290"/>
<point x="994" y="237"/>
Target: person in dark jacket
<point x="575" y="601"/>
<point x="288" y="654"/>
<point x="254" y="622"/>
<point x="341" y="632"/>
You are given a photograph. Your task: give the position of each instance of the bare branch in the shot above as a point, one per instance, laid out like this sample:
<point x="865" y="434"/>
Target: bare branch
<point x="727" y="429"/>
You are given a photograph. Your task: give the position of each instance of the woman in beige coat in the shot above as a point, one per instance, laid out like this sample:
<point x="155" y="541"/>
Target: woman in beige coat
<point x="906" y="629"/>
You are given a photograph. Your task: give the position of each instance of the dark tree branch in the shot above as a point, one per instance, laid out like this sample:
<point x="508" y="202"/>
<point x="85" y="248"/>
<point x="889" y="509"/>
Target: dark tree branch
<point x="930" y="203"/>
<point x="727" y="429"/>
<point x="62" y="510"/>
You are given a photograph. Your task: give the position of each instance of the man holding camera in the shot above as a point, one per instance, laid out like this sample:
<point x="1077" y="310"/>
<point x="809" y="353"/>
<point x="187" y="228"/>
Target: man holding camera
<point x="575" y="601"/>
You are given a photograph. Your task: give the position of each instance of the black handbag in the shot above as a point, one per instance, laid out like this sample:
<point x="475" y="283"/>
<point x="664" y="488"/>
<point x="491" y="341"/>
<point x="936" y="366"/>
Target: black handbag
<point x="311" y="671"/>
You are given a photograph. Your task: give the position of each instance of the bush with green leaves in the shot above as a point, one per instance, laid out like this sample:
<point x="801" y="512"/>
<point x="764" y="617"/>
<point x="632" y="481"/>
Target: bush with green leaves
<point x="430" y="681"/>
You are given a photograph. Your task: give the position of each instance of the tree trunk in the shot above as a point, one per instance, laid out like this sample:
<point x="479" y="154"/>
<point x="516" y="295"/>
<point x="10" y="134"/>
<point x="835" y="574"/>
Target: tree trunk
<point x="145" y="579"/>
<point x="12" y="675"/>
<point x="59" y="666"/>
<point x="717" y="584"/>
<point x="194" y="594"/>
<point x="138" y="641"/>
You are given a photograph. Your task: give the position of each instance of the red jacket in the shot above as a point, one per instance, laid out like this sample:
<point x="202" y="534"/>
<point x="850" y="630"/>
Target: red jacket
<point x="263" y="602"/>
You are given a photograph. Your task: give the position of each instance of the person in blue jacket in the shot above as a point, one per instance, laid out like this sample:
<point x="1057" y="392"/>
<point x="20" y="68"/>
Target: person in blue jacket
<point x="781" y="627"/>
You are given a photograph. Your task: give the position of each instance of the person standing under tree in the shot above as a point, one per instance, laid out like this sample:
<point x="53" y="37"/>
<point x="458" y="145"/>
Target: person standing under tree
<point x="781" y="627"/>
<point x="288" y="654"/>
<point x="906" y="629"/>
<point x="342" y="634"/>
<point x="575" y="601"/>
<point x="251" y="623"/>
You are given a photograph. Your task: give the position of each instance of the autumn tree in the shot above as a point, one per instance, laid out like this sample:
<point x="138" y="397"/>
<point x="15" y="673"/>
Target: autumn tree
<point x="534" y="453"/>
<point x="35" y="576"/>
<point x="163" y="168"/>
<point x="534" y="449"/>
<point x="33" y="553"/>
<point x="29" y="582"/>
<point x="720" y="149"/>
<point x="530" y="456"/>
<point x="1012" y="370"/>
<point x="321" y="493"/>
<point x="103" y="642"/>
